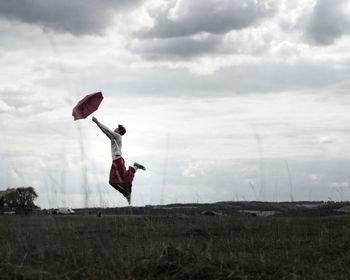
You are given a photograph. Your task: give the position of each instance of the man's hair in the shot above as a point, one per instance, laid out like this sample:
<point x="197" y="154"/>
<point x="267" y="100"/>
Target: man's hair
<point x="122" y="129"/>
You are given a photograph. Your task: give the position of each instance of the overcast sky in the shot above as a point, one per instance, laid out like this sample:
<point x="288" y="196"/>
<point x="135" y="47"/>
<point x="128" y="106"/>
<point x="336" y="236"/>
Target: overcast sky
<point x="222" y="99"/>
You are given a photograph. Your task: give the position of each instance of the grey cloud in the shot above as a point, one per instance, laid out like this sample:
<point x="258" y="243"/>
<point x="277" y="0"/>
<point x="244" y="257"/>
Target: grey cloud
<point x="25" y="102"/>
<point x="267" y="77"/>
<point x="188" y="29"/>
<point x="239" y="79"/>
<point x="185" y="18"/>
<point x="177" y="48"/>
<point x="16" y="99"/>
<point x="278" y="77"/>
<point x="5" y="108"/>
<point x="78" y="17"/>
<point x="271" y="179"/>
<point x="329" y="21"/>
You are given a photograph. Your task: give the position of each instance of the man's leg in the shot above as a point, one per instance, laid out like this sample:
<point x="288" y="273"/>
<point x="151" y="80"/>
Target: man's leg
<point x="124" y="190"/>
<point x="120" y="178"/>
<point x="126" y="175"/>
<point x="117" y="182"/>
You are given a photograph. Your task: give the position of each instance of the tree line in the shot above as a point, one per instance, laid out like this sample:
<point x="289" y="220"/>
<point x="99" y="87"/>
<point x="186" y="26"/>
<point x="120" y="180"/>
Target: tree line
<point x="18" y="198"/>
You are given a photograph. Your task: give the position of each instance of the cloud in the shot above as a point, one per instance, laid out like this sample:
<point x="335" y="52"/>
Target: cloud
<point x="188" y="29"/>
<point x="31" y="105"/>
<point x="177" y="48"/>
<point x="5" y="108"/>
<point x="343" y="184"/>
<point x="186" y="18"/>
<point x="250" y="42"/>
<point x="79" y="17"/>
<point x="329" y="20"/>
<point x="180" y="30"/>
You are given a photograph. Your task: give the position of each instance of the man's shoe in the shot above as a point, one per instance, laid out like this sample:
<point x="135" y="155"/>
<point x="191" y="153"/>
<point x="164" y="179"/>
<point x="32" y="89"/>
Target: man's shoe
<point x="128" y="198"/>
<point x="139" y="166"/>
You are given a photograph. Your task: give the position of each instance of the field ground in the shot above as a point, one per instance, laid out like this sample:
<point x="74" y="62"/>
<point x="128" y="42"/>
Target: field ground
<point x="174" y="247"/>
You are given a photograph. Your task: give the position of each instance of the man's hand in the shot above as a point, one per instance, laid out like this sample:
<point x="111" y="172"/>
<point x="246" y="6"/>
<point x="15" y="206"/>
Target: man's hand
<point x="94" y="120"/>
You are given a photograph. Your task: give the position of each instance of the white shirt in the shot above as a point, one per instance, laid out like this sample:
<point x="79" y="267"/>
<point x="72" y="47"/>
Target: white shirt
<point x="116" y="139"/>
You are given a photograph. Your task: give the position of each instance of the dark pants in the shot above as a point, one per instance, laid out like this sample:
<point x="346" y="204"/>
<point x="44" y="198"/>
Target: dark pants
<point x="121" y="178"/>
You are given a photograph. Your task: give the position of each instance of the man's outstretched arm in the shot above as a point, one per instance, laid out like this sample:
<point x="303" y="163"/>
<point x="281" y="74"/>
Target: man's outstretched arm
<point x="104" y="128"/>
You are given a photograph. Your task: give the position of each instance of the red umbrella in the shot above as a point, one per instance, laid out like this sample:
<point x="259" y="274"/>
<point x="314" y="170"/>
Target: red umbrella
<point x="87" y="105"/>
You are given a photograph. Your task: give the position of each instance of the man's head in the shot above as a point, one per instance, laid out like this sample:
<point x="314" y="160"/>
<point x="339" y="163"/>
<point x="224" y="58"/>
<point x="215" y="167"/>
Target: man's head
<point x="120" y="129"/>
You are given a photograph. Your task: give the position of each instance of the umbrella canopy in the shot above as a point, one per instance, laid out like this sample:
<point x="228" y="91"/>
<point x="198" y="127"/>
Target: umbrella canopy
<point x="87" y="105"/>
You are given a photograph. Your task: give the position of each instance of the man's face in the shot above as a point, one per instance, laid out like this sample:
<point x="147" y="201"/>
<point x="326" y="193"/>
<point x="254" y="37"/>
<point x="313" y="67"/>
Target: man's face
<point x="117" y="130"/>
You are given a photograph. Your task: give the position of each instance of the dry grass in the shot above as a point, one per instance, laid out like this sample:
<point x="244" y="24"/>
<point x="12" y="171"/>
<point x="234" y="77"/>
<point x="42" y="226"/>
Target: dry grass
<point x="174" y="247"/>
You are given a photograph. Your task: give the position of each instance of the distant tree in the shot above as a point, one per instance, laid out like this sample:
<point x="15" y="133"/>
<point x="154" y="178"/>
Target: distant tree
<point x="2" y="201"/>
<point x="19" y="198"/>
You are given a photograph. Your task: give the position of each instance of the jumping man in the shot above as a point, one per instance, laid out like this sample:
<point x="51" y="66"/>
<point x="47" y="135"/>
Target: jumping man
<point x="120" y="178"/>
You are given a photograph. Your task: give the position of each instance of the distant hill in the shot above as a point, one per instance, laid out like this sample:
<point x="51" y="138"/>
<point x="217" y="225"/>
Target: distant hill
<point x="249" y="208"/>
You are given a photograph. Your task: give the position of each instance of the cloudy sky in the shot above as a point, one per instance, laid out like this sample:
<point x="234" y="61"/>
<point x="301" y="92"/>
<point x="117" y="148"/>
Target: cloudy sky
<point x="222" y="99"/>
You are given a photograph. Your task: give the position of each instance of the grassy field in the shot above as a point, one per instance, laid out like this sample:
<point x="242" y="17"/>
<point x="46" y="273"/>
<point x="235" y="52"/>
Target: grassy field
<point x="174" y="247"/>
